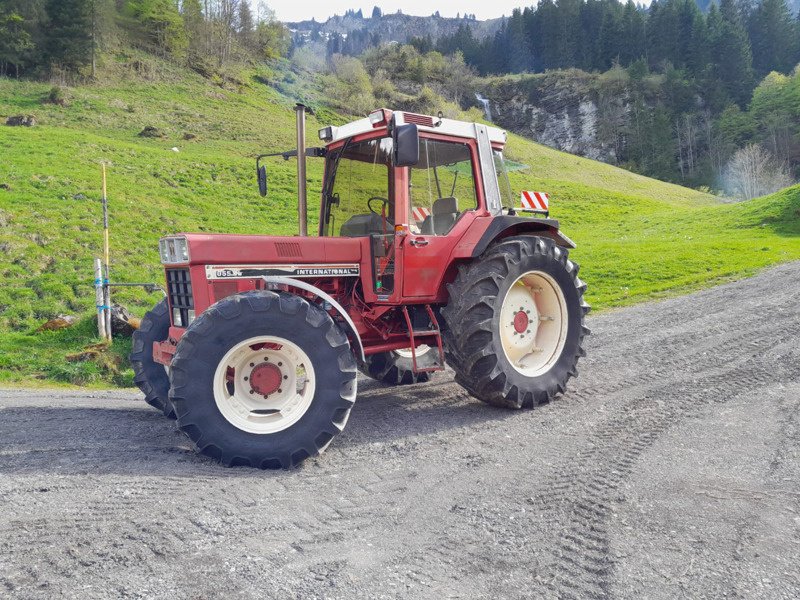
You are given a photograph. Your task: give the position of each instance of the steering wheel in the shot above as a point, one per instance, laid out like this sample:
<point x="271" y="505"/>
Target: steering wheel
<point x="384" y="214"/>
<point x="386" y="203"/>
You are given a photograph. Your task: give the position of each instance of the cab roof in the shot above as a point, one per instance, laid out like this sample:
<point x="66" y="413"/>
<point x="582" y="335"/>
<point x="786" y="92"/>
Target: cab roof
<point x="427" y="123"/>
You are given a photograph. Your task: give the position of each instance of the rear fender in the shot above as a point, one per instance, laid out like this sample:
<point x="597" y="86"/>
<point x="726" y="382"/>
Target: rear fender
<point x="507" y="225"/>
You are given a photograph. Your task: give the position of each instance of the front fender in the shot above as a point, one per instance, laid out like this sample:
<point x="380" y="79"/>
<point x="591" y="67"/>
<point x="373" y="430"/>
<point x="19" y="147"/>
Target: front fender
<point x="302" y="285"/>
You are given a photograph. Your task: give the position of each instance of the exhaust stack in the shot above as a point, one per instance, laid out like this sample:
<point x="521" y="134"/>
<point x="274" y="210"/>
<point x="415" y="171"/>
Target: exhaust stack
<point x="300" y="112"/>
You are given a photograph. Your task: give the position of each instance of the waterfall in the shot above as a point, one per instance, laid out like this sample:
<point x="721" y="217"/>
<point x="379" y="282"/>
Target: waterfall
<point x="487" y="111"/>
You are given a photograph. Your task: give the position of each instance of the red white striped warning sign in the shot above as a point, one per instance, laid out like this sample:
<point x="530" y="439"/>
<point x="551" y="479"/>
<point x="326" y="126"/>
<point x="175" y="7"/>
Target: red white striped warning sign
<point x="535" y="200"/>
<point x="419" y="213"/>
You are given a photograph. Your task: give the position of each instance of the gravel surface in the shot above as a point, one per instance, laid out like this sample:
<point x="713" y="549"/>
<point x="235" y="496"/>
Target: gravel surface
<point x="670" y="469"/>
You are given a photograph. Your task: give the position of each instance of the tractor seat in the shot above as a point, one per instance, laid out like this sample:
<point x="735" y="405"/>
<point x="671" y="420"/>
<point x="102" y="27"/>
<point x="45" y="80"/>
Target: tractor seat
<point x="444" y="214"/>
<point x="362" y="225"/>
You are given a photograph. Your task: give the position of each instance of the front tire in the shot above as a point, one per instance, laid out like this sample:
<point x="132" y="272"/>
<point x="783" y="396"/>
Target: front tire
<point x="151" y="377"/>
<point x="516" y="323"/>
<point x="263" y="379"/>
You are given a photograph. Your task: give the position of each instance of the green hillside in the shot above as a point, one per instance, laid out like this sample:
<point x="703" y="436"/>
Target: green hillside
<point x="638" y="238"/>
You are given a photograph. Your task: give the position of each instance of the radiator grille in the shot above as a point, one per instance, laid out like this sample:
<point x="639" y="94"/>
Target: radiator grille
<point x="180" y="296"/>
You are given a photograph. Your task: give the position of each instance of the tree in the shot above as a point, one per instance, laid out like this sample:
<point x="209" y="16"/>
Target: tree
<point x="272" y="37"/>
<point x="774" y="39"/>
<point x="246" y="25"/>
<point x="69" y="34"/>
<point x="752" y="172"/>
<point x="14" y="43"/>
<point x="376" y="12"/>
<point x="161" y="25"/>
<point x="195" y="26"/>
<point x="733" y="61"/>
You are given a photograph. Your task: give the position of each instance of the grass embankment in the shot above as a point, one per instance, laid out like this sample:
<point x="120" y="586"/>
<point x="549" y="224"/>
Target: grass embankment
<point x="638" y="238"/>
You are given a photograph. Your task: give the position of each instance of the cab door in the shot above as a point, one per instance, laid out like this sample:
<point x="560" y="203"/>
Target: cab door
<point x="442" y="201"/>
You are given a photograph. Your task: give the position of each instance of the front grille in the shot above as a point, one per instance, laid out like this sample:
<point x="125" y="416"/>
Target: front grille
<point x="180" y="296"/>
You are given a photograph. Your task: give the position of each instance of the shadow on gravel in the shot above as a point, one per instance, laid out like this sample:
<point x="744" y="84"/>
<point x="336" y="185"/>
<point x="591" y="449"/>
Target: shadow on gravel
<point x="139" y="441"/>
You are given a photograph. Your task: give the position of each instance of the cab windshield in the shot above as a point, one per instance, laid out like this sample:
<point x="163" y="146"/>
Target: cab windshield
<point x="359" y="193"/>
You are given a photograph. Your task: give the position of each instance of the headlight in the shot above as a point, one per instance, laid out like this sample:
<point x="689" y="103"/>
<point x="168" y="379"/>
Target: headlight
<point x="174" y="250"/>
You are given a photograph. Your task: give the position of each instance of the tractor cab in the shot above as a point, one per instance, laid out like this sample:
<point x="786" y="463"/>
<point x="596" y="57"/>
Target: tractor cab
<point x="404" y="183"/>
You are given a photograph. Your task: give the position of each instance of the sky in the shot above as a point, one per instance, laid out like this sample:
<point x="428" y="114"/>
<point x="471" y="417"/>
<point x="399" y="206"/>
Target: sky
<point x="301" y="10"/>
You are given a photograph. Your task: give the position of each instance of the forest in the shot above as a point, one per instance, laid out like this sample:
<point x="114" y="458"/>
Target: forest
<point x="682" y="90"/>
<point x="64" y="38"/>
<point x="682" y="95"/>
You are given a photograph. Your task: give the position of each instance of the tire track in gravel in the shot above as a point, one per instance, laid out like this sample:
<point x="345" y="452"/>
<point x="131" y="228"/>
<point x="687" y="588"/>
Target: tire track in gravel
<point x="584" y="489"/>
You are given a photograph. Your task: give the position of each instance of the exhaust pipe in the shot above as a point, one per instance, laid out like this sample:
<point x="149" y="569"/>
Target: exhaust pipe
<point x="300" y="112"/>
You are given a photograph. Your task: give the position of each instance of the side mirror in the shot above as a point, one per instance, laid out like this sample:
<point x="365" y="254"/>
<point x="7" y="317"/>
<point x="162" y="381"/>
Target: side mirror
<point x="261" y="171"/>
<point x="406" y="145"/>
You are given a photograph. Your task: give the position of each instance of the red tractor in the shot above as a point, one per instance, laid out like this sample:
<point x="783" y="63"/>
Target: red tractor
<point x="421" y="259"/>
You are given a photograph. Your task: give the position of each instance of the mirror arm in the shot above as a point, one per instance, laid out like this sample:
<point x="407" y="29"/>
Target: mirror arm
<point x="310" y="152"/>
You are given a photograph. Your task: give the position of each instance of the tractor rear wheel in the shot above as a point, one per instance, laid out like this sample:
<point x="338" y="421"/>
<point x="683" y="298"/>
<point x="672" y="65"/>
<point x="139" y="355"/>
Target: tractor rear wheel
<point x="263" y="379"/>
<point x="516" y="323"/>
<point x="397" y="368"/>
<point x="151" y="377"/>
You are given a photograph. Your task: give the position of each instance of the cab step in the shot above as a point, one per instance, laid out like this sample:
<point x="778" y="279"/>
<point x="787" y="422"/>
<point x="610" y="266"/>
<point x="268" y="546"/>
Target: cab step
<point x="435" y="332"/>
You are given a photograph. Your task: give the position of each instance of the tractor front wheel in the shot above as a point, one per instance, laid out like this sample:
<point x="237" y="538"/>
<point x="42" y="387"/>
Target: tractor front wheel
<point x="151" y="377"/>
<point x="516" y="323"/>
<point x="263" y="379"/>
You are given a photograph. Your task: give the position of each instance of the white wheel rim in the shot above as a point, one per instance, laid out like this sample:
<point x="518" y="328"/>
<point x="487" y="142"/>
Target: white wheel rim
<point x="533" y="323"/>
<point x="422" y="349"/>
<point x="264" y="384"/>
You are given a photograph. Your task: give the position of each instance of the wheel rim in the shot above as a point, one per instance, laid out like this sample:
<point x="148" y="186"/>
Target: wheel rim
<point x="264" y="384"/>
<point x="533" y="323"/>
<point x="422" y="349"/>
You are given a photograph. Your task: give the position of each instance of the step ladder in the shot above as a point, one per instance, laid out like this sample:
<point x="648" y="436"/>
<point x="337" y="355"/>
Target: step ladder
<point x="413" y="335"/>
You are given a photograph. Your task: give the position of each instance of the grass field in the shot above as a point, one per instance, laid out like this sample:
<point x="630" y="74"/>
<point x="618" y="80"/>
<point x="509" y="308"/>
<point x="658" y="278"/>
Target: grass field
<point x="638" y="238"/>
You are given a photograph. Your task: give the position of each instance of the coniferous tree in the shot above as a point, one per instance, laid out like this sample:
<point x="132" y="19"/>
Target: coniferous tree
<point x="610" y="42"/>
<point x="731" y="54"/>
<point x="633" y="34"/>
<point x="194" y="25"/>
<point x="773" y="36"/>
<point x="15" y="42"/>
<point x="246" y="25"/>
<point x="69" y="33"/>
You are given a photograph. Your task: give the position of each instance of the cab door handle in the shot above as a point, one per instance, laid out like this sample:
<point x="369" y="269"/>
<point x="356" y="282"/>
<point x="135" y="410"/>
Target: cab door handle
<point x="419" y="242"/>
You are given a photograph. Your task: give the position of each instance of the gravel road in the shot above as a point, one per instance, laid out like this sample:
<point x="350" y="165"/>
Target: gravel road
<point x="670" y="469"/>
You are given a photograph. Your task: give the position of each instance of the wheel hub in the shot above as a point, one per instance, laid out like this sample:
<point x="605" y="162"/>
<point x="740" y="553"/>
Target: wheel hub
<point x="521" y="321"/>
<point x="264" y="384"/>
<point x="265" y="378"/>
<point x="533" y="323"/>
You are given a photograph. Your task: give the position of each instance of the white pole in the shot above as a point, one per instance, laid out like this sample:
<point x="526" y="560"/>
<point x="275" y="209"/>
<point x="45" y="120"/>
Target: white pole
<point x="99" y="298"/>
<point x="106" y="288"/>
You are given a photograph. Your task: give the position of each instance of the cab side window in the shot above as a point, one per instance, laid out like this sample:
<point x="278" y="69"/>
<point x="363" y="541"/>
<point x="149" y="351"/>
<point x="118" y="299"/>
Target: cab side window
<point x="361" y="191"/>
<point x="442" y="187"/>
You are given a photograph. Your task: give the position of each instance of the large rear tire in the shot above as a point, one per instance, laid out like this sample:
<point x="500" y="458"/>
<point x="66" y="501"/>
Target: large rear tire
<point x="151" y="377"/>
<point x="263" y="379"/>
<point x="396" y="367"/>
<point x="516" y="323"/>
